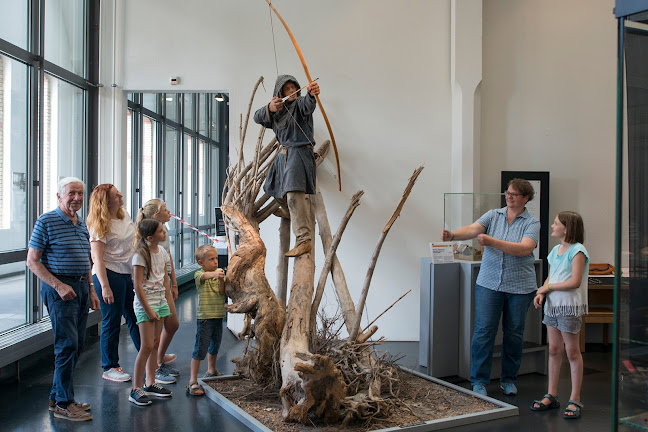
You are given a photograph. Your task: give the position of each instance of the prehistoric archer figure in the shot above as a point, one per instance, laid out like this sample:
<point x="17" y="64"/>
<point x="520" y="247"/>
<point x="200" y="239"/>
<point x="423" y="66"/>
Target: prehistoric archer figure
<point x="292" y="174"/>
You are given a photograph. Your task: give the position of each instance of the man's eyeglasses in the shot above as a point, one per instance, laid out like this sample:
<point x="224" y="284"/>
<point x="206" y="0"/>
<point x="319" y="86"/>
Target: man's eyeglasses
<point x="513" y="194"/>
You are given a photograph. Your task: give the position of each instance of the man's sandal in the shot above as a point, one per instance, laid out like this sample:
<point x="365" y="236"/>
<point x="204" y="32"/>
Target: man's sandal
<point x="543" y="407"/>
<point x="195" y="389"/>
<point x="573" y="413"/>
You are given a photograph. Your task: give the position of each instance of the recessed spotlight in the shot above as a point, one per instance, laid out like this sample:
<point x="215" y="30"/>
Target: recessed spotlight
<point x="219" y="98"/>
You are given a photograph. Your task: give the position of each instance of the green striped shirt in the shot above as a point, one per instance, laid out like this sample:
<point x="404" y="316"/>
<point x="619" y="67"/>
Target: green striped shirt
<point x="211" y="303"/>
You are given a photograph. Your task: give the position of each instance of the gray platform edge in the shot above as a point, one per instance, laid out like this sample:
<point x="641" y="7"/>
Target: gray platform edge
<point x="25" y="340"/>
<point x="504" y="410"/>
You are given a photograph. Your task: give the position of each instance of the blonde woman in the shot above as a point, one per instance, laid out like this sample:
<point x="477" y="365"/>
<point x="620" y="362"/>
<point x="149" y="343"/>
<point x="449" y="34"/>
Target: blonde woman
<point x="111" y="239"/>
<point x="165" y="374"/>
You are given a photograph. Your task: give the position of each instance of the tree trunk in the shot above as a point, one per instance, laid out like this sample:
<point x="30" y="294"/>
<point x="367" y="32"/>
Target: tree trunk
<point x="309" y="381"/>
<point x="251" y="293"/>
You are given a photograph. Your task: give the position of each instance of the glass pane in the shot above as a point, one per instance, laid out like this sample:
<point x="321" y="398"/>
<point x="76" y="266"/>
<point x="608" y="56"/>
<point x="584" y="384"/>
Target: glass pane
<point x="202" y="178"/>
<point x="187" y="248"/>
<point x="149" y="155"/>
<point x="63" y="150"/>
<point x="13" y="181"/>
<point x="128" y="193"/>
<point x="14" y="22"/>
<point x="65" y="34"/>
<point x="171" y="101"/>
<point x="188" y="111"/>
<point x="149" y="101"/>
<point x="13" y="301"/>
<point x="13" y="154"/>
<point x="202" y="114"/>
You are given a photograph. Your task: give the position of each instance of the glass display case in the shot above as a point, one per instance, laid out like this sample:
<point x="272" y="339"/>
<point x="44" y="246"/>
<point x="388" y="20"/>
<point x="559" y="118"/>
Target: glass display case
<point x="460" y="209"/>
<point x="630" y="389"/>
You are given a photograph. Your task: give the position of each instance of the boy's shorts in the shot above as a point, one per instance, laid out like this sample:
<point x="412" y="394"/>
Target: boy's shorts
<point x="567" y="324"/>
<point x="208" y="338"/>
<point x="162" y="311"/>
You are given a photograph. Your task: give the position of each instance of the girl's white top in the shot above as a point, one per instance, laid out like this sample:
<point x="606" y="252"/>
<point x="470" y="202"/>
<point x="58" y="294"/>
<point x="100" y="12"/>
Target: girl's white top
<point x="159" y="260"/>
<point x="570" y="302"/>
<point x="119" y="245"/>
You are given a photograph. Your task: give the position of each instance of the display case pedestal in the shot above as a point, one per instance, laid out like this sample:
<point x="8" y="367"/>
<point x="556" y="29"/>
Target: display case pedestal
<point x="439" y="282"/>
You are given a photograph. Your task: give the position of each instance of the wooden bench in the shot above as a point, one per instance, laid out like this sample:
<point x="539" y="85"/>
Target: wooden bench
<point x="597" y="315"/>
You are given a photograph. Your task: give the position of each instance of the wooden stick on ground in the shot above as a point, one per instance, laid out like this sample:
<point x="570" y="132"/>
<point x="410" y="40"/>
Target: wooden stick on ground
<point x="372" y="264"/>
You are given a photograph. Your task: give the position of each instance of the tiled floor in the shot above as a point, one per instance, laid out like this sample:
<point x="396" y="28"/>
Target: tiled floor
<point x="23" y="405"/>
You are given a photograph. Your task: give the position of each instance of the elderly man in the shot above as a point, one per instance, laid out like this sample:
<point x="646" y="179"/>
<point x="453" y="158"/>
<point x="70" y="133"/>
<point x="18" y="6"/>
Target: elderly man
<point x="59" y="254"/>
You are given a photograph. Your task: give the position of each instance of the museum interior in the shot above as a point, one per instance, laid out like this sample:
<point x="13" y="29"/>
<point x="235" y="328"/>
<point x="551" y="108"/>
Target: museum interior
<point x="155" y="98"/>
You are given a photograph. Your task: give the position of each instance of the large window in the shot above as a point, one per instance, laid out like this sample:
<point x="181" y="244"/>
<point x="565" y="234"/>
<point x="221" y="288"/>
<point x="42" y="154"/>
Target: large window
<point x="178" y="161"/>
<point x="47" y="88"/>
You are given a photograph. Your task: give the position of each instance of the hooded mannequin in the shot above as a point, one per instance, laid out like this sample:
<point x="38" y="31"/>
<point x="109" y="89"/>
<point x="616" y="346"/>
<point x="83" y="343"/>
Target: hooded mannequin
<point x="292" y="174"/>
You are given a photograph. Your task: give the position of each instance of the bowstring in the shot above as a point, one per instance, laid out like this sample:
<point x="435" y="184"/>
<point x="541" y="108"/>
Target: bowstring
<point x="274" y="45"/>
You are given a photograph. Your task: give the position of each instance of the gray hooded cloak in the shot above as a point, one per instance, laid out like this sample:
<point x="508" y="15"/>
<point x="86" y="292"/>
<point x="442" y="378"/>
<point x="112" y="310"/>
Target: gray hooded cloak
<point x="294" y="168"/>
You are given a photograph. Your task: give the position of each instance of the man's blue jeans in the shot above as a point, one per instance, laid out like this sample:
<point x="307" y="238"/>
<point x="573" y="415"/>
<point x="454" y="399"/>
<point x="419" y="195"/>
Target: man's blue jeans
<point x="69" y="320"/>
<point x="489" y="307"/>
<point x="123" y="295"/>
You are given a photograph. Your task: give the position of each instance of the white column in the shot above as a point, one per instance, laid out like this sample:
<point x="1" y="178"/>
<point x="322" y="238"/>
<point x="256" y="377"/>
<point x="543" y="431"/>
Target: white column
<point x="466" y="76"/>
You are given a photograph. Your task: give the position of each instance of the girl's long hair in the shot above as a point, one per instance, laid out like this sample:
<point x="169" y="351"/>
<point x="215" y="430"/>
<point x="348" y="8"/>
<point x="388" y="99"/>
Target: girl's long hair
<point x="146" y="228"/>
<point x="574" y="225"/>
<point x="149" y="209"/>
<point x="98" y="214"/>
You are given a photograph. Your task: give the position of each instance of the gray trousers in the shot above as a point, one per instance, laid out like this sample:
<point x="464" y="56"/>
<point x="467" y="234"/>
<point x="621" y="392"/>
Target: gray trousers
<point x="299" y="208"/>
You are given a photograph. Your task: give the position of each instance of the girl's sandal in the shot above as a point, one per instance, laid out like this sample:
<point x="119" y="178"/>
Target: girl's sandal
<point x="573" y="413"/>
<point x="195" y="389"/>
<point x="543" y="407"/>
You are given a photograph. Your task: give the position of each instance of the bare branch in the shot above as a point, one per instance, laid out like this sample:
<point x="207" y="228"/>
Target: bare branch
<point x="372" y="264"/>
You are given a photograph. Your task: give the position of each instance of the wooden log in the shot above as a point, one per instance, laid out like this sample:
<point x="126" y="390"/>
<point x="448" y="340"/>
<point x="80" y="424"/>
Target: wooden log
<point x="337" y="274"/>
<point x="282" y="265"/>
<point x="328" y="260"/>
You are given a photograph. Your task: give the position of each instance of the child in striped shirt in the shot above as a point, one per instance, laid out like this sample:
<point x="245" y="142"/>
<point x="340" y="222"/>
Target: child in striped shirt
<point x="210" y="283"/>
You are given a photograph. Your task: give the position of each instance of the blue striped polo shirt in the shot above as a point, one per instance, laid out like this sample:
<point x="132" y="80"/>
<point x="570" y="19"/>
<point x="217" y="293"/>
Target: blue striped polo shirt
<point x="503" y="272"/>
<point x="65" y="246"/>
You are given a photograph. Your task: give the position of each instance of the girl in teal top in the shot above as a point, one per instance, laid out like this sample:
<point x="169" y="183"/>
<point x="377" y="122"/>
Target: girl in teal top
<point x="565" y="291"/>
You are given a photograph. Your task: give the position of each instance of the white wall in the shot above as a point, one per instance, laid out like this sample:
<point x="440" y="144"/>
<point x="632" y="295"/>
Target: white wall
<point x="384" y="74"/>
<point x="549" y="104"/>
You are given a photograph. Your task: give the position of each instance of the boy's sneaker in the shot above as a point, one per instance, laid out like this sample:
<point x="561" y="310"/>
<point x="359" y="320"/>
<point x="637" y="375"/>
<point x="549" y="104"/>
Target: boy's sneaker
<point x="168" y="370"/>
<point x="168" y="358"/>
<point x="156" y="389"/>
<point x="116" y="374"/>
<point x="162" y="378"/>
<point x="75" y="405"/>
<point x="71" y="414"/>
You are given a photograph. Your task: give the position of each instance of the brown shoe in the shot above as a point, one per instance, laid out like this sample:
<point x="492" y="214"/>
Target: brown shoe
<point x="71" y="414"/>
<point x="79" y="406"/>
<point x="300" y="249"/>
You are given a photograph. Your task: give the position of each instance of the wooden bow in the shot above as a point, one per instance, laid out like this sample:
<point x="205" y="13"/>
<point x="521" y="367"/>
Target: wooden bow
<point x="319" y="103"/>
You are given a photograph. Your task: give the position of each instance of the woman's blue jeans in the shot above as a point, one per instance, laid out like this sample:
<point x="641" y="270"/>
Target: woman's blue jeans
<point x="489" y="307"/>
<point x="123" y="294"/>
<point x="69" y="319"/>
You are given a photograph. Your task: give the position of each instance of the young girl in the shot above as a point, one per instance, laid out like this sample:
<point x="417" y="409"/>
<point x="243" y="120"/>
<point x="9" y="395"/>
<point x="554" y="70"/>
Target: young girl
<point x="151" y="306"/>
<point x="566" y="295"/>
<point x="165" y="374"/>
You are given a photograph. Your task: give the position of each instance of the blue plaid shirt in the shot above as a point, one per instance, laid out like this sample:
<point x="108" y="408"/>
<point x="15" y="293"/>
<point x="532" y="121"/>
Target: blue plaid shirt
<point x="503" y="272"/>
